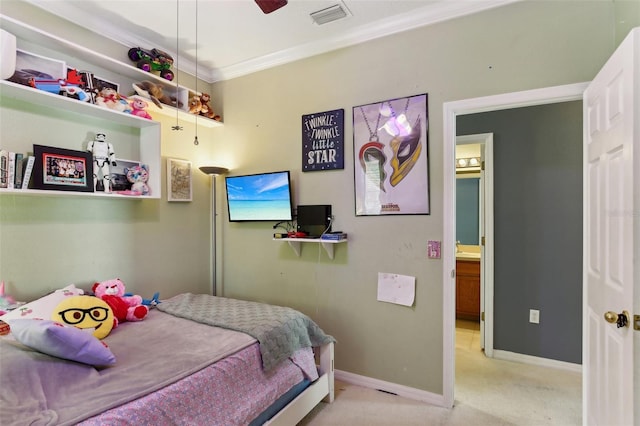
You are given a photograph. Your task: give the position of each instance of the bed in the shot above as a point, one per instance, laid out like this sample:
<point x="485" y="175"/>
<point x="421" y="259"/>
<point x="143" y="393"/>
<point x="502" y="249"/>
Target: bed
<point x="195" y="360"/>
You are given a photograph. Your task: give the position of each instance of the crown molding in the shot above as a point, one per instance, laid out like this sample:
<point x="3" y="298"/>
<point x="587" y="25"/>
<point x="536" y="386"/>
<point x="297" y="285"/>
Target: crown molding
<point x="428" y="15"/>
<point x="419" y="18"/>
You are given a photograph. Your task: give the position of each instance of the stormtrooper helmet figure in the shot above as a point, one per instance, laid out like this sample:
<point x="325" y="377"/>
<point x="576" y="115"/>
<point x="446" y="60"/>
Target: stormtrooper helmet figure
<point x="103" y="157"/>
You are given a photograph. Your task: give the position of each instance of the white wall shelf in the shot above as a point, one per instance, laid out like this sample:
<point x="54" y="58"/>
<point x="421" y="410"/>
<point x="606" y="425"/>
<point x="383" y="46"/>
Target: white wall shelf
<point x="149" y="135"/>
<point x="31" y="34"/>
<point x="183" y="116"/>
<point x="34" y="96"/>
<point x="147" y="132"/>
<point x="296" y="244"/>
<point x="50" y="193"/>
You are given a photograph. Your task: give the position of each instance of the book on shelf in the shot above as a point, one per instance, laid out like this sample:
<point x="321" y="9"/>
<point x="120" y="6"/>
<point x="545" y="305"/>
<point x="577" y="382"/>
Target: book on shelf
<point x="4" y="168"/>
<point x="28" y="168"/>
<point x="11" y="176"/>
<point x="334" y="236"/>
<point x="18" y="176"/>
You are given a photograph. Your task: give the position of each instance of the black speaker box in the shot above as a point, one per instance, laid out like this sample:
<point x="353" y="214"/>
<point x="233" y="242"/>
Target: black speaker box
<point x="314" y="220"/>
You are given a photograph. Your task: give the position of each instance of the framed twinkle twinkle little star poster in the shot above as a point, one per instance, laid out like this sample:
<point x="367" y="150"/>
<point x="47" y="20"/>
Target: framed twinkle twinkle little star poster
<point x="323" y="141"/>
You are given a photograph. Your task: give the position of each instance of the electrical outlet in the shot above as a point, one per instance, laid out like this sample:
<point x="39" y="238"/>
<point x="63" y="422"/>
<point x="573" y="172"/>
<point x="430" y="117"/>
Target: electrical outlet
<point x="534" y="316"/>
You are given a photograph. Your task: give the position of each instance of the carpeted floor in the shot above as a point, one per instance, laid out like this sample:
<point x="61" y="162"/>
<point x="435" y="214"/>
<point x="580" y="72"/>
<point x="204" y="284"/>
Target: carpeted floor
<point x="488" y="392"/>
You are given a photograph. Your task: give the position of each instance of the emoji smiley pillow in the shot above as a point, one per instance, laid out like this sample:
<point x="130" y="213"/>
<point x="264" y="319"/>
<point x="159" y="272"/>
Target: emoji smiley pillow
<point x="77" y="323"/>
<point x="90" y="314"/>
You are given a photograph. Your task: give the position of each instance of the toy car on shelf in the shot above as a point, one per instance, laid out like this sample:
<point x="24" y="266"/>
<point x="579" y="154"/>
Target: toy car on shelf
<point x="152" y="60"/>
<point x="57" y="86"/>
<point x="25" y="76"/>
<point x="61" y="87"/>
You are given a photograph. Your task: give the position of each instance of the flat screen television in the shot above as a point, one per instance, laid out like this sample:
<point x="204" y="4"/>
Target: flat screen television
<point x="259" y="197"/>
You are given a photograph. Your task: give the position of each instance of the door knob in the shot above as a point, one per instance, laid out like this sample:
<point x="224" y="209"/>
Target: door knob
<point x="621" y="320"/>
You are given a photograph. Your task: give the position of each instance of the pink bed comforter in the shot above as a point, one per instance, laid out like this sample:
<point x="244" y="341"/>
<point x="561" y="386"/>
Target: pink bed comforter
<point x="233" y="391"/>
<point x="169" y="370"/>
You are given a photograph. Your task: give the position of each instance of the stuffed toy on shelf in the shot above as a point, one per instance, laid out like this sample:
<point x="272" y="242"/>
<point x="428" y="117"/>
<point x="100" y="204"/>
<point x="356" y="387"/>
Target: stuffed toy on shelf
<point x="195" y="106"/>
<point x="138" y="176"/>
<point x="109" y="98"/>
<point x="125" y="308"/>
<point x="199" y="105"/>
<point x="206" y="108"/>
<point x="139" y="107"/>
<point x="103" y="157"/>
<point x="155" y="92"/>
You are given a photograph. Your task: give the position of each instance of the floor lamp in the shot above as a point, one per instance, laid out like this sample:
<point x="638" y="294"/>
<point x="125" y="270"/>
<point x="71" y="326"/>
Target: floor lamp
<point x="213" y="171"/>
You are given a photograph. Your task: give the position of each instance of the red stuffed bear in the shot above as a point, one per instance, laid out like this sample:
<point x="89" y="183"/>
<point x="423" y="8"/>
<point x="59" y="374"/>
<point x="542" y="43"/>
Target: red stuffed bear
<point x="125" y="308"/>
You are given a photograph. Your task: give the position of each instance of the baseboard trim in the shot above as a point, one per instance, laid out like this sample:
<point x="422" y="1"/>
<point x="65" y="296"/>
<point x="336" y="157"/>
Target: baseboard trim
<point x="400" y="390"/>
<point x="534" y="360"/>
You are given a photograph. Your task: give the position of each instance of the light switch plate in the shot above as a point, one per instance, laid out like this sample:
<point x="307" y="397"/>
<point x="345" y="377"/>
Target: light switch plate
<point x="433" y="249"/>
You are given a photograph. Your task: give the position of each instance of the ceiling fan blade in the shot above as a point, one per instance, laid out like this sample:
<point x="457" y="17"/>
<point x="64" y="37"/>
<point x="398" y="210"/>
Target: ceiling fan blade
<point x="269" y="6"/>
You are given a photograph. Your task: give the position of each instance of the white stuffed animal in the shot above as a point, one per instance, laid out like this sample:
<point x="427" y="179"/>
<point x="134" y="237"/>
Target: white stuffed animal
<point x="138" y="176"/>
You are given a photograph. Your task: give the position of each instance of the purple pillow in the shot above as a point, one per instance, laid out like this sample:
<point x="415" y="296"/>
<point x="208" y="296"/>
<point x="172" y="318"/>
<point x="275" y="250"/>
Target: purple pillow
<point x="55" y="339"/>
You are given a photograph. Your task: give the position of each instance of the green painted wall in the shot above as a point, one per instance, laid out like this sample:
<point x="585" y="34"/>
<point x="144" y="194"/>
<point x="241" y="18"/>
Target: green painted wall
<point x="518" y="47"/>
<point x="49" y="242"/>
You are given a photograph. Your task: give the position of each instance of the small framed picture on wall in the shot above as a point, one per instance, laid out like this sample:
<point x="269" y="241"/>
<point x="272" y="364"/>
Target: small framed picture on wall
<point x="178" y="180"/>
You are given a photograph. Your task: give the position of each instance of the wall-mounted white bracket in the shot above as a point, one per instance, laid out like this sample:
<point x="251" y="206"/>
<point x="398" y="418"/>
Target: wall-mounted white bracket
<point x="296" y="244"/>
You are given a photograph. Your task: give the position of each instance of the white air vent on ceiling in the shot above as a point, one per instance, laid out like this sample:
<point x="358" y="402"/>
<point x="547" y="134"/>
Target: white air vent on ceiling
<point x="330" y="14"/>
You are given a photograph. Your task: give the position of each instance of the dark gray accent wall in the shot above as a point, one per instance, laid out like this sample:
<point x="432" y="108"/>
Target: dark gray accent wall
<point x="538" y="227"/>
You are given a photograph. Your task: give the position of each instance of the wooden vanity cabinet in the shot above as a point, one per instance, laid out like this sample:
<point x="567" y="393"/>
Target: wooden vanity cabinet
<point x="468" y="290"/>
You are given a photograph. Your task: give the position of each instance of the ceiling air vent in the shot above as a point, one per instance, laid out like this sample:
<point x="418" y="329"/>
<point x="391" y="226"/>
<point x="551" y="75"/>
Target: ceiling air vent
<point x="330" y="14"/>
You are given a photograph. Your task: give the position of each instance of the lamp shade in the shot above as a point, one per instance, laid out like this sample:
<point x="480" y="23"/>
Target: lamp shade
<point x="214" y="170"/>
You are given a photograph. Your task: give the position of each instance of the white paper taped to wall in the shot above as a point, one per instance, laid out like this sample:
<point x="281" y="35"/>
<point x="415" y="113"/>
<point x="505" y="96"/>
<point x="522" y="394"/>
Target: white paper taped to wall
<point x="394" y="288"/>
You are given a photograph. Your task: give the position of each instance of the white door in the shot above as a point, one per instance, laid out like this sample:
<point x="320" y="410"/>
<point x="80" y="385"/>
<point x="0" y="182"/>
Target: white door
<point x="485" y="214"/>
<point x="486" y="248"/>
<point x="612" y="189"/>
<point x="481" y="237"/>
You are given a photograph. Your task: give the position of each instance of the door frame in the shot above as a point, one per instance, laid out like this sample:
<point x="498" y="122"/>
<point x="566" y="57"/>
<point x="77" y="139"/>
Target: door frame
<point x="451" y="110"/>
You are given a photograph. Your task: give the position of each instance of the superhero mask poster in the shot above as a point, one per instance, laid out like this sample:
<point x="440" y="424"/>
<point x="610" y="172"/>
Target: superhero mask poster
<point x="390" y="142"/>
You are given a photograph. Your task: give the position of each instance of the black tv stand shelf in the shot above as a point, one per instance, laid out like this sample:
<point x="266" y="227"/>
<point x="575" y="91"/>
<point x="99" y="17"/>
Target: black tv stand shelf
<point x="296" y="244"/>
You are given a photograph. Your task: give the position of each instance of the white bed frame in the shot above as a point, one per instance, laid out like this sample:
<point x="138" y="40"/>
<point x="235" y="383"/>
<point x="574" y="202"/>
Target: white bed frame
<point x="320" y="390"/>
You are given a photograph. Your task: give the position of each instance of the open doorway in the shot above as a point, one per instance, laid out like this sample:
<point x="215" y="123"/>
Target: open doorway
<point x="474" y="238"/>
<point x="538" y="264"/>
<point x="451" y="111"/>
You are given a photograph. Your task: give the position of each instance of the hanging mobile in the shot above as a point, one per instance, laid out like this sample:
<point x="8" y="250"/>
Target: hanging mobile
<point x="195" y="141"/>
<point x="177" y="125"/>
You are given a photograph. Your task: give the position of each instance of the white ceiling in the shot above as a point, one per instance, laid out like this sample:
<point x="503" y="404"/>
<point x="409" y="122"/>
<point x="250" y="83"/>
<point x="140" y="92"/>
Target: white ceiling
<point x="235" y="38"/>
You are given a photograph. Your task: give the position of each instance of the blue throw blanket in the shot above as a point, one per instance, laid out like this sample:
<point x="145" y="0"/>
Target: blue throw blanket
<point x="280" y="331"/>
